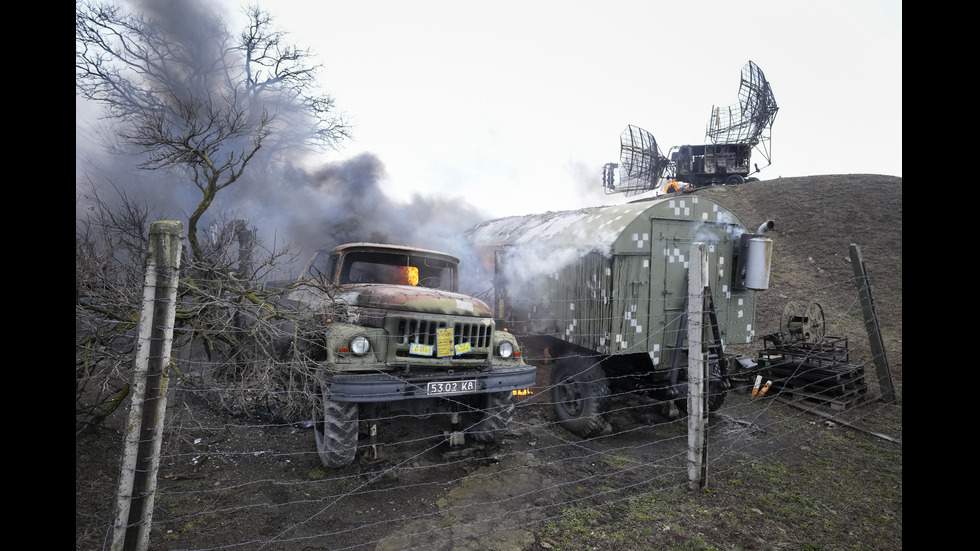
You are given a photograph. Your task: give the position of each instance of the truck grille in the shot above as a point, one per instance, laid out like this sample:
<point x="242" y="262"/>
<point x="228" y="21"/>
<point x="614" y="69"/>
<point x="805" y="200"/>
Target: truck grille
<point x="409" y="331"/>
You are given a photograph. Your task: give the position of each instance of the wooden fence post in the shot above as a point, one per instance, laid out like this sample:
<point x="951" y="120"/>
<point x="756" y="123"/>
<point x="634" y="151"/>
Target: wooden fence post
<point x="141" y="451"/>
<point x="871" y="323"/>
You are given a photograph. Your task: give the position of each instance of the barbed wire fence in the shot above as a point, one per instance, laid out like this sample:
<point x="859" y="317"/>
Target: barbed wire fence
<point x="250" y="477"/>
<point x="308" y="504"/>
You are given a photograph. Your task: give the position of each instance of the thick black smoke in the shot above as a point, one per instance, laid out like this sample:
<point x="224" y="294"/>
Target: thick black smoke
<point x="344" y="202"/>
<point x="308" y="208"/>
<point x="339" y="202"/>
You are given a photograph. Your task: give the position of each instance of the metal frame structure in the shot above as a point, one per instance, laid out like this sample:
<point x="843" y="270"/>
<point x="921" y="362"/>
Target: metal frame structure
<point x="732" y="133"/>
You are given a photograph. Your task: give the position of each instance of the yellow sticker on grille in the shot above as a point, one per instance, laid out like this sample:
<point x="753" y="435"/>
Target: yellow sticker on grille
<point x="420" y="349"/>
<point x="444" y="342"/>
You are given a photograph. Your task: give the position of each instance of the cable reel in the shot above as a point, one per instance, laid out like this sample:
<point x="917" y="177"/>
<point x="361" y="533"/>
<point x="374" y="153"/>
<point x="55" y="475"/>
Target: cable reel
<point x="804" y="325"/>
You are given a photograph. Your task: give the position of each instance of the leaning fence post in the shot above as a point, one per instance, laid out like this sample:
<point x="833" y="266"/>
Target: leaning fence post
<point x="871" y="323"/>
<point x="141" y="449"/>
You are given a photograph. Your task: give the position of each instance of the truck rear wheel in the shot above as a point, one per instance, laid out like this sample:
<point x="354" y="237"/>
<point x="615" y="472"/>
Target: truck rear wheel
<point x="580" y="393"/>
<point x="716" y="398"/>
<point x="335" y="427"/>
<point x="497" y="413"/>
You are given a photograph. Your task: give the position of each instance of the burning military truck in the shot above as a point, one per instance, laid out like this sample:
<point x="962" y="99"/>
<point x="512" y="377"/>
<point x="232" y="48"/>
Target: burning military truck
<point x="397" y="335"/>
<point x="603" y="291"/>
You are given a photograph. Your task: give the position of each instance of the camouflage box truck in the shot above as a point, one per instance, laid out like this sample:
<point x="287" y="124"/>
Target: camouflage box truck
<point x="604" y="292"/>
<point x="396" y="334"/>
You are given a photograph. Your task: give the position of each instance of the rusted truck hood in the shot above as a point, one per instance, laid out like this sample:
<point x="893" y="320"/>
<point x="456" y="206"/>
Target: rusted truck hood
<point x="412" y="299"/>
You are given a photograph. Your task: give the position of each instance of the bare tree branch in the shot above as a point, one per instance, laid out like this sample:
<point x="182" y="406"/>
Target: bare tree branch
<point x="237" y="342"/>
<point x="194" y="99"/>
<point x="201" y="103"/>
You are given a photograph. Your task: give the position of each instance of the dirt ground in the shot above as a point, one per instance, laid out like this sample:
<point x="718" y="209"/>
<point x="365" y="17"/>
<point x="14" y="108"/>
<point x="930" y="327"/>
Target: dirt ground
<point x="783" y="475"/>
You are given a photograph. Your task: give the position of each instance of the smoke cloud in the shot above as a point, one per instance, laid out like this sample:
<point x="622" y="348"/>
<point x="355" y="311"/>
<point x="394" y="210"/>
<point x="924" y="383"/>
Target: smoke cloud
<point x="345" y="202"/>
<point x="339" y="202"/>
<point x="281" y="196"/>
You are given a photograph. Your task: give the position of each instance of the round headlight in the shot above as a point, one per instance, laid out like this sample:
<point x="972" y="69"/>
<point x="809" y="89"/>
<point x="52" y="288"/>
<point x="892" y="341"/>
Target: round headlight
<point x="360" y="345"/>
<point x="506" y="349"/>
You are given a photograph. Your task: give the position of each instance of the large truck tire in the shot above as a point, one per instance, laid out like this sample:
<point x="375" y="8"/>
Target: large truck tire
<point x="335" y="427"/>
<point x="716" y="398"/>
<point x="497" y="413"/>
<point x="580" y="394"/>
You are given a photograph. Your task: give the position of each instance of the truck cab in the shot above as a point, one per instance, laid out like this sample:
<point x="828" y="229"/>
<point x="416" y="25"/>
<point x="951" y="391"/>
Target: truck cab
<point x="397" y="334"/>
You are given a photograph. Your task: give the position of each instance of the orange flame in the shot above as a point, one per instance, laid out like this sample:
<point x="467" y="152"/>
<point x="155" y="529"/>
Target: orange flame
<point x="410" y="275"/>
<point x="523" y="392"/>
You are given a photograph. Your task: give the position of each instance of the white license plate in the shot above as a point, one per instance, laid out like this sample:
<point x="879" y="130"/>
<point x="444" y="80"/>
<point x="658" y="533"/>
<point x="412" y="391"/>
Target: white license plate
<point x="450" y="387"/>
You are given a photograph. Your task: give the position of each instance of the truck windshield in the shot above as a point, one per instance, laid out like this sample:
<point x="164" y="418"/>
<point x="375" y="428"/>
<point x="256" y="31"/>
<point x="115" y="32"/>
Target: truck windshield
<point x="393" y="269"/>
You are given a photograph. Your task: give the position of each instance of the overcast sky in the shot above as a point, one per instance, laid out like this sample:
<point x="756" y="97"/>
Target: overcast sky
<point x="464" y="111"/>
<point x="515" y="106"/>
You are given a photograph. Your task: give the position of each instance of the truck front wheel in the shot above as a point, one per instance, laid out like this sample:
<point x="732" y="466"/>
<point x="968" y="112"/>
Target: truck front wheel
<point x="496" y="415"/>
<point x="335" y="427"/>
<point x="580" y="392"/>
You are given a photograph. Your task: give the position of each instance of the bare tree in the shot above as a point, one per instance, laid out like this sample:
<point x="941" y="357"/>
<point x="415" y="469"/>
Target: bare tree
<point x="110" y="245"/>
<point x="196" y="99"/>
<point x="239" y="344"/>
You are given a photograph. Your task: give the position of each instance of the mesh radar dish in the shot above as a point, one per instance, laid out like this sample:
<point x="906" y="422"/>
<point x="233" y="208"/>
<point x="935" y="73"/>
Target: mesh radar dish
<point x="725" y="158"/>
<point x="641" y="164"/>
<point x="750" y="120"/>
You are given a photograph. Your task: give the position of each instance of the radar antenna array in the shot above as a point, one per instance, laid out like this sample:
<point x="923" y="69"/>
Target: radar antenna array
<point x="725" y="158"/>
<point x="641" y="166"/>
<point x="749" y="119"/>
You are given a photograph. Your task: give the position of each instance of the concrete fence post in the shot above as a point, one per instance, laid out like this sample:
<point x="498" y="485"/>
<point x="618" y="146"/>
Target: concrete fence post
<point x="141" y="449"/>
<point x="697" y="372"/>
